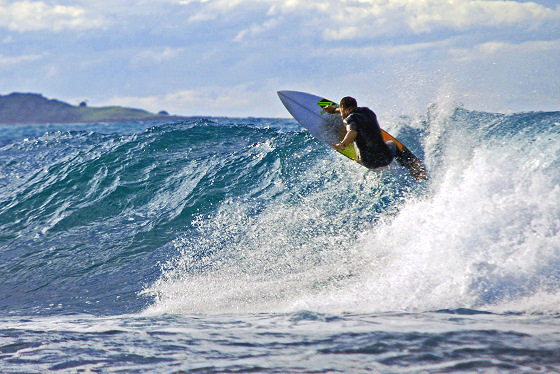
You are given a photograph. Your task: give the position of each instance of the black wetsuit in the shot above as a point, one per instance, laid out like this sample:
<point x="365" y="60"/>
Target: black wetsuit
<point x="374" y="152"/>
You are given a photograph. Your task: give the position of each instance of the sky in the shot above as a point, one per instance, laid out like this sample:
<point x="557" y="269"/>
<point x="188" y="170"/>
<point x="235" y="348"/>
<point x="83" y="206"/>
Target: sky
<point x="229" y="57"/>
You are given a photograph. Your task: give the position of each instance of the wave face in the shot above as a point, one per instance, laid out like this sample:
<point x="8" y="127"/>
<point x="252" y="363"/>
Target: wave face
<point x="255" y="215"/>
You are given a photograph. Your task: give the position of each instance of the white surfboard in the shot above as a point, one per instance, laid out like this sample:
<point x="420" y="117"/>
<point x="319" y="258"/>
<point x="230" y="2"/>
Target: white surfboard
<point x="307" y="109"/>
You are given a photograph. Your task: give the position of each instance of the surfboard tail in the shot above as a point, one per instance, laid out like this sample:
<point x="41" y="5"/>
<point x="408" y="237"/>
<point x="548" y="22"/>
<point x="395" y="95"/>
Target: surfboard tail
<point x="411" y="163"/>
<point x="407" y="159"/>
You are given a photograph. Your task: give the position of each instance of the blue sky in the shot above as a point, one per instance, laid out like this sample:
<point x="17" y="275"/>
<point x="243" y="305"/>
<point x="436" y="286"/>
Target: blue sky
<point x="229" y="57"/>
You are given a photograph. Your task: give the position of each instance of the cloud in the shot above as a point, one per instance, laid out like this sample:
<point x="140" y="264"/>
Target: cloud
<point x="219" y="57"/>
<point x="388" y="50"/>
<point x="23" y="16"/>
<point x="526" y="47"/>
<point x="331" y="19"/>
<point x="256" y="29"/>
<point x="350" y="19"/>
<point x="157" y="55"/>
<point x="370" y="17"/>
<point x="211" y="9"/>
<point x="226" y="101"/>
<point x="9" y="61"/>
<point x="489" y="50"/>
<point x="467" y="13"/>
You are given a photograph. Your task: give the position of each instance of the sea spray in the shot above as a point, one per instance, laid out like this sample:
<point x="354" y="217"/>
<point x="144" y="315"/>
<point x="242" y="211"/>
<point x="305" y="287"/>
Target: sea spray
<point x="246" y="245"/>
<point x="259" y="216"/>
<point x="483" y="232"/>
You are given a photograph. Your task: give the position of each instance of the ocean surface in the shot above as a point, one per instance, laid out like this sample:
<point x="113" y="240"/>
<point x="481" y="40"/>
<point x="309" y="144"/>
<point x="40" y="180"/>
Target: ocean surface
<point x="247" y="246"/>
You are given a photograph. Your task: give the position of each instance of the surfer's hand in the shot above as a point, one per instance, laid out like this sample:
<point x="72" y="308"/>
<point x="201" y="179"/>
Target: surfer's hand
<point x="330" y="109"/>
<point x="338" y="146"/>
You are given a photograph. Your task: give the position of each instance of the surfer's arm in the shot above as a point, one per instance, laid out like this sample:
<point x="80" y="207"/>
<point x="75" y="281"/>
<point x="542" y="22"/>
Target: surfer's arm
<point x="348" y="138"/>
<point x="331" y="109"/>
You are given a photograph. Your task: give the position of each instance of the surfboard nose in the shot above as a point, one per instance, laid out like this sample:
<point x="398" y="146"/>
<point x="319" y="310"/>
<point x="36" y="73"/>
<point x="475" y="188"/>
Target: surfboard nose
<point x="287" y="98"/>
<point x="285" y="94"/>
<point x="281" y="95"/>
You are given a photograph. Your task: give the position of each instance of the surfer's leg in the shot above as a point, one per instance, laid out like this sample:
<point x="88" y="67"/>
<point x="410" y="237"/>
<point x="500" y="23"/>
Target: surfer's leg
<point x="373" y="163"/>
<point x="392" y="146"/>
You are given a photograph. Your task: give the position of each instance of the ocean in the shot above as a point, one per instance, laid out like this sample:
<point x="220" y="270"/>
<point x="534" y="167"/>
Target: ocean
<point x="247" y="246"/>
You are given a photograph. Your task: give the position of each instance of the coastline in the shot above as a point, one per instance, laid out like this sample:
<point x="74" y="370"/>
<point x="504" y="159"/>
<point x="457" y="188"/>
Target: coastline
<point x="34" y="109"/>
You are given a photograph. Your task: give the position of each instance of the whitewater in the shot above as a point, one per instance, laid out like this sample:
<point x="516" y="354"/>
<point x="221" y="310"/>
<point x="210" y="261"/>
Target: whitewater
<point x="246" y="245"/>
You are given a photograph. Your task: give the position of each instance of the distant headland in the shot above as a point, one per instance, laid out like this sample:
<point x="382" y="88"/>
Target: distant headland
<point x="31" y="108"/>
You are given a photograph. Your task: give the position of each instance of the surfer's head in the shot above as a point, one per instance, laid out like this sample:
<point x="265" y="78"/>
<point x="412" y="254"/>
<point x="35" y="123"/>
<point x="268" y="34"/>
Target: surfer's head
<point x="347" y="105"/>
<point x="348" y="102"/>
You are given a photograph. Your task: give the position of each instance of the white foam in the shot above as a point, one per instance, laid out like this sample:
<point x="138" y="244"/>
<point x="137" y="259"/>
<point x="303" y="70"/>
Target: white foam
<point x="485" y="233"/>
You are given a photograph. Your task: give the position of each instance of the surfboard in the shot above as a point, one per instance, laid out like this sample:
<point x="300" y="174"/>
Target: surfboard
<point x="307" y="109"/>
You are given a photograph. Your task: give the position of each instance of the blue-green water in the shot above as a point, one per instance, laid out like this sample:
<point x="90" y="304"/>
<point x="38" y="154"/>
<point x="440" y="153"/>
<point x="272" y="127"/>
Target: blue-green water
<point x="240" y="245"/>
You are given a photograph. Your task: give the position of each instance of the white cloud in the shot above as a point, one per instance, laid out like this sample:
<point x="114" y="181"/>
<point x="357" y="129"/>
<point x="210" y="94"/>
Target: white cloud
<point x="28" y="15"/>
<point x="9" y="61"/>
<point x="526" y="47"/>
<point x="388" y="50"/>
<point x="219" y="57"/>
<point x="465" y="14"/>
<point x="230" y="101"/>
<point x="489" y="50"/>
<point x="371" y="17"/>
<point x="211" y="9"/>
<point x="156" y="55"/>
<point x="256" y="29"/>
<point x="349" y="19"/>
<point x="332" y="19"/>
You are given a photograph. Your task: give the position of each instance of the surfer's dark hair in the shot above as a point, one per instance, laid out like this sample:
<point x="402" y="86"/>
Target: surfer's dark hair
<point x="348" y="102"/>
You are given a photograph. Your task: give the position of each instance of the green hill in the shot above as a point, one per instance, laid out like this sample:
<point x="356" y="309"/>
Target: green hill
<point x="30" y="108"/>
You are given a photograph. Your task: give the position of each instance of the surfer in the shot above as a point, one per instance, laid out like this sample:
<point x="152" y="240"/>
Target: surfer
<point x="363" y="128"/>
